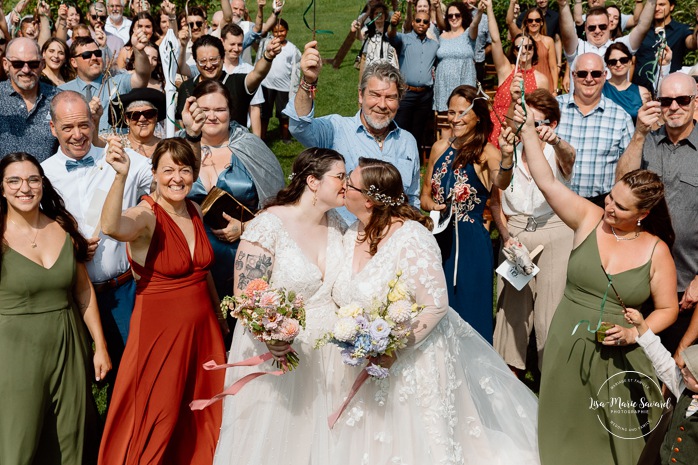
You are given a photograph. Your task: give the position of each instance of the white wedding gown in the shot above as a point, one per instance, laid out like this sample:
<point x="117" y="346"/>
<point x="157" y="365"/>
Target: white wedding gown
<point x="283" y="419"/>
<point x="450" y="398"/>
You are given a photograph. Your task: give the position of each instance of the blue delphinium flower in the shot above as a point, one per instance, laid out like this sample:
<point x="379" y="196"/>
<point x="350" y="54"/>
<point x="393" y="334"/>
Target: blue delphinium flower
<point x="377" y="371"/>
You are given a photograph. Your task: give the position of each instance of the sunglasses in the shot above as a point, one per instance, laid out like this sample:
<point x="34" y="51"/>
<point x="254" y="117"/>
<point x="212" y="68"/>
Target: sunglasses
<point x="19" y="64"/>
<point x="592" y="27"/>
<point x="136" y="115"/>
<point x="99" y="17"/>
<point x="453" y="16"/>
<point x="3" y="41"/>
<point x="614" y="61"/>
<point x="421" y="21"/>
<point x="89" y="54"/>
<point x="528" y="47"/>
<point x="542" y="122"/>
<point x="534" y="20"/>
<point x="196" y="24"/>
<point x="682" y="100"/>
<point x="583" y="74"/>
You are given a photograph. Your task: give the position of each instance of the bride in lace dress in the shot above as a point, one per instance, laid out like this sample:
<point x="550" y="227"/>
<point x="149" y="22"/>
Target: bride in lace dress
<point x="297" y="243"/>
<point x="449" y="399"/>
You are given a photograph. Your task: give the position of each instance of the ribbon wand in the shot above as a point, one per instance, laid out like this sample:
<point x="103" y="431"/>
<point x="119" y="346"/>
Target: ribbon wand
<point x="610" y="283"/>
<point x="305" y="21"/>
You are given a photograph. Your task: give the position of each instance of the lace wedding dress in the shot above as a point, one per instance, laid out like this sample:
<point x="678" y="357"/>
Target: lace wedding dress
<point x="283" y="419"/>
<point x="449" y="399"/>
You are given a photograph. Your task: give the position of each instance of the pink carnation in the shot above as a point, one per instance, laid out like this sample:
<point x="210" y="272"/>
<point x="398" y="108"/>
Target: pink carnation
<point x="256" y="285"/>
<point x="288" y="330"/>
<point x="269" y="299"/>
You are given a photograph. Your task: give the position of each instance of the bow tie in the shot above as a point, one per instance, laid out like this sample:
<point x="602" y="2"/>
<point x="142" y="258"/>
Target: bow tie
<point x="72" y="165"/>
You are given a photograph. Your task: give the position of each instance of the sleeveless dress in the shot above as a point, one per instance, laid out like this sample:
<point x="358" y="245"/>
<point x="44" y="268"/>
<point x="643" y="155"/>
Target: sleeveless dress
<point x="43" y="362"/>
<point x="543" y="65"/>
<point x="466" y="248"/>
<point x="629" y="99"/>
<point x="502" y="100"/>
<point x="449" y="398"/>
<point x="576" y="369"/>
<point x="236" y="181"/>
<point x="456" y="66"/>
<point x="283" y="419"/>
<point x="173" y="332"/>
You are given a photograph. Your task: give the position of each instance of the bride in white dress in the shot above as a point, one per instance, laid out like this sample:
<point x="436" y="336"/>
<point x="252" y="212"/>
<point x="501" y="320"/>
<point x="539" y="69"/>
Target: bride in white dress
<point x="297" y="244"/>
<point x="449" y="399"/>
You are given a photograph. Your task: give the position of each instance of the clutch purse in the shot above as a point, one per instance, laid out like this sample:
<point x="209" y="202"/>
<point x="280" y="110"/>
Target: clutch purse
<point x="219" y="201"/>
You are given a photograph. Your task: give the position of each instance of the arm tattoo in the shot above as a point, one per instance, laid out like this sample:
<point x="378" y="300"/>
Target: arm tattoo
<point x="252" y="267"/>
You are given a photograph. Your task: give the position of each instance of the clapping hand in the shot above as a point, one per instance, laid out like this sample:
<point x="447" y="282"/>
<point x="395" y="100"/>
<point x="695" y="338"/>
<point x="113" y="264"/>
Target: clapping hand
<point x="311" y="62"/>
<point x="116" y="155"/>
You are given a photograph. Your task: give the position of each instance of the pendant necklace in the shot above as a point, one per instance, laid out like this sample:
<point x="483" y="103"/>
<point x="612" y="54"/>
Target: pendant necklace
<point x="618" y="238"/>
<point x="33" y="242"/>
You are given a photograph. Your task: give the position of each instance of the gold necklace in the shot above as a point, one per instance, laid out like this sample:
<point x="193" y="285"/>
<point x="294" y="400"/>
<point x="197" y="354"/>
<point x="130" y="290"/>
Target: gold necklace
<point x="33" y="242"/>
<point x="181" y="215"/>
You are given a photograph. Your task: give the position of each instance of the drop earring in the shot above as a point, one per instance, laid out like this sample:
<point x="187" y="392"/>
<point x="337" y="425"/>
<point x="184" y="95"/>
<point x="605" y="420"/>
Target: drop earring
<point x="638" y="222"/>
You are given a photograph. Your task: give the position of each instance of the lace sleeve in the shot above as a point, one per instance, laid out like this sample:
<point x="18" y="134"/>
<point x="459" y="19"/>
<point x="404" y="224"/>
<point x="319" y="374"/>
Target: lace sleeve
<point x="420" y="261"/>
<point x="335" y="220"/>
<point x="263" y="230"/>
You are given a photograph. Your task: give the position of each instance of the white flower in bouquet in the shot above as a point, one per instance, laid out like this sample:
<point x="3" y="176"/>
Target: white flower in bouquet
<point x="345" y="329"/>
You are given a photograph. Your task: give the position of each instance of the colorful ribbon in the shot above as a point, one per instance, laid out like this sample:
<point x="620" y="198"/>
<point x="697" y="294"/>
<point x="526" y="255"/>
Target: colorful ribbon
<point x="360" y="380"/>
<point x="315" y="31"/>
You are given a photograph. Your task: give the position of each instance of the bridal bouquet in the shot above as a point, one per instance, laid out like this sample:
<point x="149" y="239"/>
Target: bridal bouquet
<point x="380" y="329"/>
<point x="270" y="314"/>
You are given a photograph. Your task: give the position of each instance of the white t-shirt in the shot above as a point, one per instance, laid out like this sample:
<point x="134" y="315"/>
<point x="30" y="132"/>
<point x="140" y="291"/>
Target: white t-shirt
<point x="284" y="66"/>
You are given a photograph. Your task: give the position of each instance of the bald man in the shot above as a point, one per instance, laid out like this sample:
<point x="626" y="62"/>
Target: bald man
<point x="672" y="152"/>
<point x="24" y="102"/>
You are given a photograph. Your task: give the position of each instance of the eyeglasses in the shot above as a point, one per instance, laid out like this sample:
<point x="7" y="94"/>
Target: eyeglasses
<point x="89" y="54"/>
<point x="596" y="74"/>
<point x="421" y="21"/>
<point x="351" y="186"/>
<point x="136" y="115"/>
<point x="15" y="182"/>
<point x="681" y="100"/>
<point x="614" y="61"/>
<point x="196" y="24"/>
<point x="592" y="27"/>
<point x="528" y="47"/>
<point x="340" y="176"/>
<point x="99" y="17"/>
<point x="534" y="20"/>
<point x="209" y="62"/>
<point x="453" y="16"/>
<point x="542" y="122"/>
<point x="19" y="64"/>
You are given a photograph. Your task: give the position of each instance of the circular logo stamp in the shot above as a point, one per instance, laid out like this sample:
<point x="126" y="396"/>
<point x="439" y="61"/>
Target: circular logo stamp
<point x="629" y="404"/>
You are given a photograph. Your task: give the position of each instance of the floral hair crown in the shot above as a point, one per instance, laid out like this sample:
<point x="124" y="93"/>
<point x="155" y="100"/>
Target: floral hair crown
<point x="291" y="176"/>
<point x="372" y="192"/>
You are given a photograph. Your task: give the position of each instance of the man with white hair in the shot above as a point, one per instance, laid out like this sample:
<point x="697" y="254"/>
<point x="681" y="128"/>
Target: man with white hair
<point x="597" y="127"/>
<point x="672" y="152"/>
<point x="116" y="23"/>
<point x="24" y="102"/>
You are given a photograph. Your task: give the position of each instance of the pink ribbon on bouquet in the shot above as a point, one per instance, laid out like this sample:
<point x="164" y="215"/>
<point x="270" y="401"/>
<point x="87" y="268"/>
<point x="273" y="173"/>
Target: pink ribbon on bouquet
<point x="360" y="380"/>
<point x="201" y="404"/>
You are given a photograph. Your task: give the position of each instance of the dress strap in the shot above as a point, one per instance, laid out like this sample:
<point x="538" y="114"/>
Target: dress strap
<point x="653" y="248"/>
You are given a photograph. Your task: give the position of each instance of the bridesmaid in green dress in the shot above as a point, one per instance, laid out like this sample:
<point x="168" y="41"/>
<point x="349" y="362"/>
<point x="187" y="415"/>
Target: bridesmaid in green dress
<point x="579" y="421"/>
<point x="44" y="351"/>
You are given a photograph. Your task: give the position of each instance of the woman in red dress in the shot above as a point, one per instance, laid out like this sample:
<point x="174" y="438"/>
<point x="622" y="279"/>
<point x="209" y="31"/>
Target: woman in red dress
<point x="173" y="327"/>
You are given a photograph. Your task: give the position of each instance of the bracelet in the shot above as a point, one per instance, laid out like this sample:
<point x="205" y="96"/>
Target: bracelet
<point x="505" y="169"/>
<point x="557" y="142"/>
<point x="266" y="57"/>
<point x="308" y="87"/>
<point x="191" y="138"/>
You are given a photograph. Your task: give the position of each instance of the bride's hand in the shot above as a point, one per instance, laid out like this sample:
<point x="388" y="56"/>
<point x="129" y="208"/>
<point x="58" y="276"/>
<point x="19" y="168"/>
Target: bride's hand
<point x="278" y="349"/>
<point x="230" y="233"/>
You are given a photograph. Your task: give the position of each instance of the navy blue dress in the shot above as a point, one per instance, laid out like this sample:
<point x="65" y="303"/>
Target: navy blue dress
<point x="236" y="180"/>
<point x="465" y="244"/>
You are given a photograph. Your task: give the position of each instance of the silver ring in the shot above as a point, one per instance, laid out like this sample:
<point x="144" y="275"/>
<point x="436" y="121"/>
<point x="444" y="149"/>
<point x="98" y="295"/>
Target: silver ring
<point x="617" y="342"/>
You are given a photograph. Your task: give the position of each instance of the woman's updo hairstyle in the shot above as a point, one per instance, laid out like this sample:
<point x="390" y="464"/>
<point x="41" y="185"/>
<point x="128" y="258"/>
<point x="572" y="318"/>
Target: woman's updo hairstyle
<point x="648" y="188"/>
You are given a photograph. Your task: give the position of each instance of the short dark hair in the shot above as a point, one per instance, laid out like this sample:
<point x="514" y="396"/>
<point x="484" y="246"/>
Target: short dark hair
<point x="232" y="29"/>
<point x="543" y="101"/>
<point x="80" y="42"/>
<point x="597" y="11"/>
<point x="207" y="41"/>
<point x="179" y="150"/>
<point x="620" y="46"/>
<point x="211" y="86"/>
<point x="197" y="11"/>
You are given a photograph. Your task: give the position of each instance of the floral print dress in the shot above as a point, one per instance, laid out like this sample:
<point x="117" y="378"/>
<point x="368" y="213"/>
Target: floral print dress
<point x="465" y="244"/>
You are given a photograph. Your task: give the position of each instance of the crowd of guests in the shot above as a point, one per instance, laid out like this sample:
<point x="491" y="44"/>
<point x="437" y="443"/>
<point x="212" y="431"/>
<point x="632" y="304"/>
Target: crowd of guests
<point x="587" y="149"/>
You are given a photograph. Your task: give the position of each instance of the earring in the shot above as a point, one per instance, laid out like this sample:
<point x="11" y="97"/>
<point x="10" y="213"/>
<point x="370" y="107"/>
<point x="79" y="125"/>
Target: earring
<point x="638" y="222"/>
<point x="314" y="198"/>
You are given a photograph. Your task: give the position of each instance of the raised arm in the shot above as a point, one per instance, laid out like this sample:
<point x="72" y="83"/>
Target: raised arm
<point x="514" y="30"/>
<point x="227" y="10"/>
<point x="44" y="12"/>
<point x="255" y="77"/>
<point x="472" y="30"/>
<point x="135" y="222"/>
<point x="647" y="117"/>
<point x="310" y="68"/>
<point x="577" y="12"/>
<point x="141" y="65"/>
<point x="62" y="23"/>
<point x="644" y="23"/>
<point x="568" y="30"/>
<point x="501" y="62"/>
<point x="438" y="14"/>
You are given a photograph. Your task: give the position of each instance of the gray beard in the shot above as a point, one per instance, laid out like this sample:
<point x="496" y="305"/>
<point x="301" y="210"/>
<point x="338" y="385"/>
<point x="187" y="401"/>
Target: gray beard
<point x="375" y="125"/>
